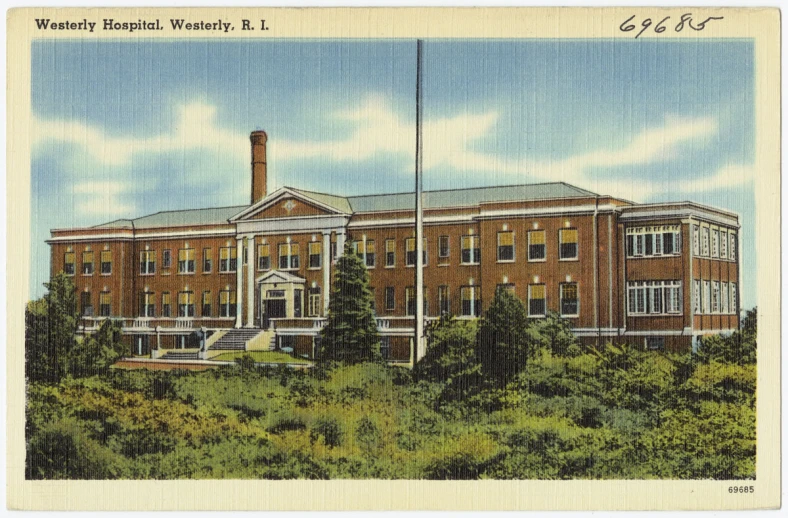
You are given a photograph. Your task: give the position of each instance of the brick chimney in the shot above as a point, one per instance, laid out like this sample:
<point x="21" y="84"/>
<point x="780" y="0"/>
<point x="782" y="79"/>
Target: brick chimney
<point x="259" y="166"/>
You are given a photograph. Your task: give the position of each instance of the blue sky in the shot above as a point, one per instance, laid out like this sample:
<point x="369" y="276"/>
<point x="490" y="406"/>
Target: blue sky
<point x="123" y="129"/>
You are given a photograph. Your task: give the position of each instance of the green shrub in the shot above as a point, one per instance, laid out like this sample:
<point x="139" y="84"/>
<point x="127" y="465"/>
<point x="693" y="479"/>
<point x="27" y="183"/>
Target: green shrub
<point x="328" y="429"/>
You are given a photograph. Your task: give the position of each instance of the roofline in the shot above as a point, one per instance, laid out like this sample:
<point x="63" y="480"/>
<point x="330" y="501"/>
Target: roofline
<point x="685" y="202"/>
<point x="476" y="188"/>
<point x="483" y="203"/>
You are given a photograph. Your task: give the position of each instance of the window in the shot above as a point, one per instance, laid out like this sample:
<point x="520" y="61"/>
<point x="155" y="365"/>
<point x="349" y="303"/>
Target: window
<point x="87" y="263"/>
<point x="315" y="252"/>
<point x="704" y="251"/>
<point x="715" y="243"/>
<point x="289" y="256"/>
<point x="410" y="251"/>
<point x="333" y="249"/>
<point x="227" y="305"/>
<point x="391" y="256"/>
<point x="653" y="241"/>
<point x="537" y="250"/>
<point x="86" y="303"/>
<point x="655" y="343"/>
<point x="706" y="297"/>
<point x="369" y="258"/>
<point x="696" y="296"/>
<point x="537" y="306"/>
<point x="206" y="303"/>
<point x="734" y="298"/>
<point x="68" y="263"/>
<point x="389" y="295"/>
<point x="567" y="239"/>
<point x="263" y="257"/>
<point x="410" y="301"/>
<point x="186" y="260"/>
<point x="166" y="259"/>
<point x="725" y="298"/>
<point x="715" y="296"/>
<point x="105" y="304"/>
<point x="186" y="304"/>
<point x="314" y="302"/>
<point x="147" y="304"/>
<point x="471" y="253"/>
<point x="385" y="347"/>
<point x="166" y="310"/>
<point x="147" y="262"/>
<point x="733" y="254"/>
<point x="654" y="297"/>
<point x="228" y="259"/>
<point x="506" y="246"/>
<point x="723" y="244"/>
<point x="443" y="248"/>
<point x="695" y="240"/>
<point x="471" y="303"/>
<point x="207" y="260"/>
<point x="444" y="303"/>
<point x="106" y="262"/>
<point x="569" y="299"/>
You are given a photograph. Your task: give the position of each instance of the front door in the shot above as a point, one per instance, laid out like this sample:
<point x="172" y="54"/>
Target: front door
<point x="274" y="308"/>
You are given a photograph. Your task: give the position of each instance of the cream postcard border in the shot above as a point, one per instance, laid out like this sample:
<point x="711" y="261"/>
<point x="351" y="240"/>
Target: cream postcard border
<point x="762" y="25"/>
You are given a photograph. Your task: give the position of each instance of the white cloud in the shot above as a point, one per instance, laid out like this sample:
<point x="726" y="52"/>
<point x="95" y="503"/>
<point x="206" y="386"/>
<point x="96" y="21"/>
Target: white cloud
<point x="103" y="198"/>
<point x="196" y="129"/>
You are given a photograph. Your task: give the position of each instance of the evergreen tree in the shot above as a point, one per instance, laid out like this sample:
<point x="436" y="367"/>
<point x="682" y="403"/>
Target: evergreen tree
<point x="504" y="343"/>
<point x="555" y="334"/>
<point x="351" y="333"/>
<point x="50" y="327"/>
<point x="98" y="351"/>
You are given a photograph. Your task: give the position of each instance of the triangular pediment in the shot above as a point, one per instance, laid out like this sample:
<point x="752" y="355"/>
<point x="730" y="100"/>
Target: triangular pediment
<point x="279" y="276"/>
<point x="288" y="203"/>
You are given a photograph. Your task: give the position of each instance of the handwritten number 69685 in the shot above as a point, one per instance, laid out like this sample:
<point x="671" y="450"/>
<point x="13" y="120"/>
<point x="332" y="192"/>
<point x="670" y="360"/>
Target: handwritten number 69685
<point x="662" y="25"/>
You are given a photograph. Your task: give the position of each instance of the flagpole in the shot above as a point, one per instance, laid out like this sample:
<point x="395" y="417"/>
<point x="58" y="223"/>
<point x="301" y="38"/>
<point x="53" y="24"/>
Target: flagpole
<point x="419" y="281"/>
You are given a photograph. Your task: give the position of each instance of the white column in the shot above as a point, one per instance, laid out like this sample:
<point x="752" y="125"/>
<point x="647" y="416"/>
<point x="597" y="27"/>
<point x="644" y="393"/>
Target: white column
<point x="239" y="273"/>
<point x="250" y="269"/>
<point x="340" y="242"/>
<point x="326" y="271"/>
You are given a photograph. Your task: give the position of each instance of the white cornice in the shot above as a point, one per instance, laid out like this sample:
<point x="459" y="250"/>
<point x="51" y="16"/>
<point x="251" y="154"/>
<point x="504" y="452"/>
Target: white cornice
<point x="276" y="196"/>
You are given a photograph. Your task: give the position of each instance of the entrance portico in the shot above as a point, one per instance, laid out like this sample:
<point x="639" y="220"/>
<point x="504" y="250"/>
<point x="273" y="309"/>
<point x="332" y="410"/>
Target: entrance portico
<point x="281" y="295"/>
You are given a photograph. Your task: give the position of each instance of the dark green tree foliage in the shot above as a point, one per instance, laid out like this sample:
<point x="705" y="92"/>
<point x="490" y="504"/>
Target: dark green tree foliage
<point x="351" y="333"/>
<point x="504" y="343"/>
<point x="555" y="334"/>
<point x="97" y="352"/>
<point x="451" y="358"/>
<point x="50" y="326"/>
<point x="740" y="347"/>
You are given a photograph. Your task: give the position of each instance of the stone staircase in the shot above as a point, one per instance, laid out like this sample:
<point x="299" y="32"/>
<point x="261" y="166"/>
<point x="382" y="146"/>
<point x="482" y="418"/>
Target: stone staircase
<point x="234" y="340"/>
<point x="184" y="354"/>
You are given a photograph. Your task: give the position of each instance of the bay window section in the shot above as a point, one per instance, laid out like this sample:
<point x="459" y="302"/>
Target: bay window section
<point x="655" y="241"/>
<point x="654" y="297"/>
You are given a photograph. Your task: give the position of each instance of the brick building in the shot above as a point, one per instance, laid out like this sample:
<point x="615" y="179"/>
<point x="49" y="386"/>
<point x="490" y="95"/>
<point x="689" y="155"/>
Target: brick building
<point x="257" y="276"/>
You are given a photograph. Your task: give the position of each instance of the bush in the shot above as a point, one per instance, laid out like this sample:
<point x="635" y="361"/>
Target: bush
<point x="328" y="429"/>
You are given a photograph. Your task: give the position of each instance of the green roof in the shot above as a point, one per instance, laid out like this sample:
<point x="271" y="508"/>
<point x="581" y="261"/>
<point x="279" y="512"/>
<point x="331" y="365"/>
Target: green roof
<point x="178" y="218"/>
<point x="467" y="197"/>
<point x="373" y="203"/>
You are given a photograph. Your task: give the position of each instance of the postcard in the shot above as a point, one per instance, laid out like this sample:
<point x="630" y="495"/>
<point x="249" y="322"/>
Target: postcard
<point x="393" y="259"/>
